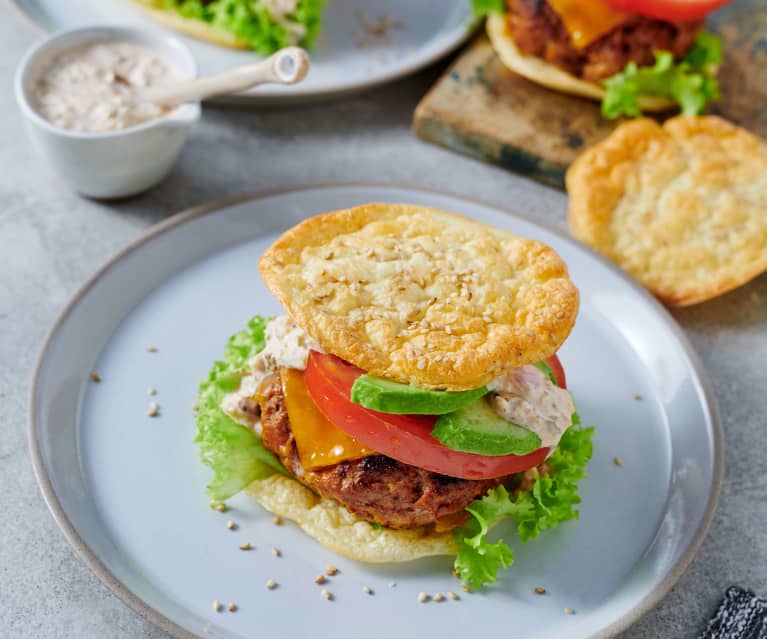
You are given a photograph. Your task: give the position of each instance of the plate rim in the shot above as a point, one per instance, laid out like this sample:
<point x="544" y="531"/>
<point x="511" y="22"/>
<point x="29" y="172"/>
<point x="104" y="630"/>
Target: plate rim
<point x="150" y="614"/>
<point x="297" y="96"/>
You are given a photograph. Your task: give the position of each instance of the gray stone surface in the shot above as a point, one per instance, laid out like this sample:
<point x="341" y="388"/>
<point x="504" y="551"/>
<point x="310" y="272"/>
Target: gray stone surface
<point x="51" y="240"/>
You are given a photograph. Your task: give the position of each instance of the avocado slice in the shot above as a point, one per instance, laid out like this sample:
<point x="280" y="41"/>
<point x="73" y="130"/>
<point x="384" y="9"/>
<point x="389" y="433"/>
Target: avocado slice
<point x="402" y="399"/>
<point x="476" y="428"/>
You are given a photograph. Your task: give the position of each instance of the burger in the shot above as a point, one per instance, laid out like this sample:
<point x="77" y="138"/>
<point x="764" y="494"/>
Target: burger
<point x="261" y="25"/>
<point x="633" y="55"/>
<point x="410" y="397"/>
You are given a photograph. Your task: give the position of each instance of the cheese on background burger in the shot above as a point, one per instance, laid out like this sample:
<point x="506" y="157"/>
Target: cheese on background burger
<point x="411" y="397"/>
<point x="632" y="56"/>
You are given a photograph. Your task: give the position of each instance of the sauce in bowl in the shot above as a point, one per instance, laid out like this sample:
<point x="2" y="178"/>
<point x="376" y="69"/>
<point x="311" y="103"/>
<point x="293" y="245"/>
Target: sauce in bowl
<point x="96" y="87"/>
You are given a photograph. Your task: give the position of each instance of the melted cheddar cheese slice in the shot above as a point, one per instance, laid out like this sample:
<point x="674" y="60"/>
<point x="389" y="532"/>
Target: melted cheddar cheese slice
<point x="319" y="442"/>
<point x="587" y="20"/>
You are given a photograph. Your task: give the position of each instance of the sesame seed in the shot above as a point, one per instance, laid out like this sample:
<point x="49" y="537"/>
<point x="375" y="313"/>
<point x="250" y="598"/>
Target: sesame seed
<point x="367" y="590"/>
<point x="331" y="570"/>
<point x="327" y="594"/>
<point x="452" y="595"/>
<point x="231" y="525"/>
<point x="439" y="597"/>
<point x="95" y="377"/>
<point x="195" y="407"/>
<point x="277" y="521"/>
<point x="217" y="605"/>
<point x="453" y="573"/>
<point x="423" y="597"/>
<point x="636" y="396"/>
<point x="465" y="588"/>
<point x="151" y="349"/>
<point x="212" y="505"/>
<point x="618" y="461"/>
<point x="245" y="546"/>
<point x="154" y="409"/>
<point x="421" y="364"/>
<point x="231" y="607"/>
<point x="222" y="508"/>
<point x="276" y="552"/>
<point x="540" y="591"/>
<point x="271" y="584"/>
<point x="320" y="579"/>
<point x="569" y="611"/>
<point x="152" y="391"/>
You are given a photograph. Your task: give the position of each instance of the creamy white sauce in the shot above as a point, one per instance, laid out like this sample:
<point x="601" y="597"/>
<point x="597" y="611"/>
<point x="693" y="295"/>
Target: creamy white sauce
<point x="526" y="396"/>
<point x="95" y="87"/>
<point x="286" y="346"/>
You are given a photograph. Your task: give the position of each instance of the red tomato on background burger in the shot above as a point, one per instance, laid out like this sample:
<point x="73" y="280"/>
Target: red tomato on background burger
<point x="670" y="10"/>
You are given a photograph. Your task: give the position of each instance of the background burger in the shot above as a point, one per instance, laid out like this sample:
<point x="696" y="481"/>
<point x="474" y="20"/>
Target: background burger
<point x="411" y="397"/>
<point x="261" y="25"/>
<point x="633" y="55"/>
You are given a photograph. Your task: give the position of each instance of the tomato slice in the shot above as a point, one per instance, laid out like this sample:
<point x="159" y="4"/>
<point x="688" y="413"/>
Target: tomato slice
<point x="406" y="438"/>
<point x="670" y="10"/>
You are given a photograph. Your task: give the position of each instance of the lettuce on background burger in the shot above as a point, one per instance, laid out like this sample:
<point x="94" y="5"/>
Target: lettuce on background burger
<point x="411" y="398"/>
<point x="261" y="25"/>
<point x="633" y="55"/>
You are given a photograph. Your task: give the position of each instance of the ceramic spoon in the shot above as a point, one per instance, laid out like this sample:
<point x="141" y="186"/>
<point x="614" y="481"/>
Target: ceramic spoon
<point x="287" y="66"/>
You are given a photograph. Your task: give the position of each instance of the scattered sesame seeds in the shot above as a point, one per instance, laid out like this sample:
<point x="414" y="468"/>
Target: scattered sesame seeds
<point x="327" y="594"/>
<point x="465" y="588"/>
<point x="151" y="391"/>
<point x="423" y="597"/>
<point x="217" y="605"/>
<point x="320" y="579"/>
<point x="276" y="551"/>
<point x="331" y="570"/>
<point x="151" y="349"/>
<point x="231" y="607"/>
<point x="367" y="590"/>
<point x="154" y="409"/>
<point x="618" y="461"/>
<point x="636" y="396"/>
<point x="569" y="611"/>
<point x="246" y="546"/>
<point x="277" y="521"/>
<point x="95" y="377"/>
<point x="539" y="591"/>
<point x="271" y="584"/>
<point x="439" y="597"/>
<point x="222" y="507"/>
<point x="453" y="595"/>
<point x="231" y="525"/>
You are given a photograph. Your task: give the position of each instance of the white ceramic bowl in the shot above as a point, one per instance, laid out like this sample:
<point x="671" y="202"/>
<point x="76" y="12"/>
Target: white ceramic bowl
<point x="116" y="163"/>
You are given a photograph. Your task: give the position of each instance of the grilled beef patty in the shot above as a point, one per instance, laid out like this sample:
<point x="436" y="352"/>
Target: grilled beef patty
<point x="538" y="31"/>
<point x="375" y="488"/>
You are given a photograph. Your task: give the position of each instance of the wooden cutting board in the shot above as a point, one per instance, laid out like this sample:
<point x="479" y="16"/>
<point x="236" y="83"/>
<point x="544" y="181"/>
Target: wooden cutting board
<point x="480" y="108"/>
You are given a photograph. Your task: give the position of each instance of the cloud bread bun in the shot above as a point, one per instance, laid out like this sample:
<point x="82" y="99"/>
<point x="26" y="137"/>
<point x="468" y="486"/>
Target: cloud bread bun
<point x="337" y="529"/>
<point x="541" y="72"/>
<point x="681" y="207"/>
<point x="420" y="296"/>
<point x="189" y="26"/>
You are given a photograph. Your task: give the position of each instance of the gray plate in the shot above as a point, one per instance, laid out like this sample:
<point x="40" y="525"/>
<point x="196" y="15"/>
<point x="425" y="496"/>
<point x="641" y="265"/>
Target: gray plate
<point x="128" y="490"/>
<point x="347" y="58"/>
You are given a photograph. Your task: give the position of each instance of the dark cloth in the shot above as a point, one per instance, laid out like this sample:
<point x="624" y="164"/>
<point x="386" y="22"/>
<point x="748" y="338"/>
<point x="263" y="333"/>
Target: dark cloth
<point x="741" y="615"/>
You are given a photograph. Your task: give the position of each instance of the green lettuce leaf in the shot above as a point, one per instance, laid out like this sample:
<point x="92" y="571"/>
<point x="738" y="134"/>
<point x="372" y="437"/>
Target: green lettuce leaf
<point x="251" y="21"/>
<point x="691" y="82"/>
<point x="234" y="453"/>
<point x="481" y="8"/>
<point x="549" y="501"/>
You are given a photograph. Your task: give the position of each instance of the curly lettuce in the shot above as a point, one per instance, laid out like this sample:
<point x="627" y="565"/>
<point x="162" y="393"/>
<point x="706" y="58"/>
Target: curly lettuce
<point x="251" y="21"/>
<point x="482" y="8"/>
<point x="234" y="453"/>
<point x="691" y="82"/>
<point x="550" y="500"/>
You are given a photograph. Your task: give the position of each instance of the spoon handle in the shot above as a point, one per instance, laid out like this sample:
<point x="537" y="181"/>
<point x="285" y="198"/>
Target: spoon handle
<point x="287" y="66"/>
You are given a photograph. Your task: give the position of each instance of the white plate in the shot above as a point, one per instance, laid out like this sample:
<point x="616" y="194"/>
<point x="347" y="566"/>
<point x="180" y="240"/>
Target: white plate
<point x="129" y="492"/>
<point x="345" y="59"/>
